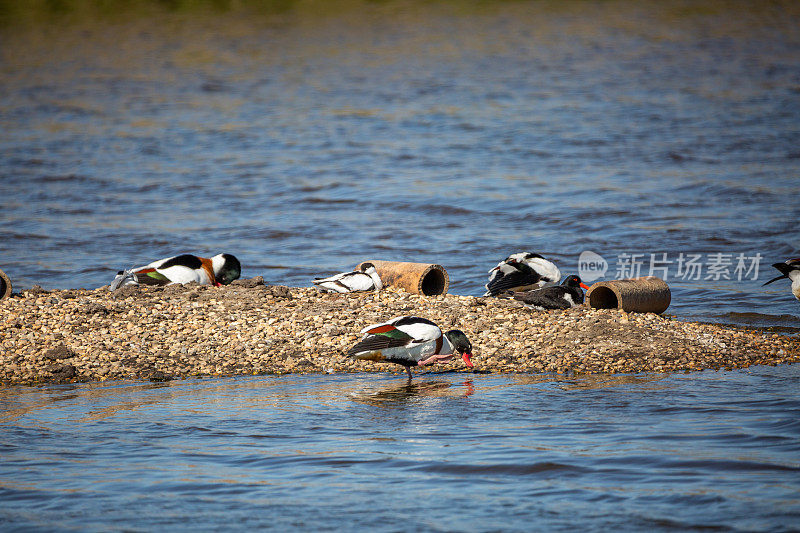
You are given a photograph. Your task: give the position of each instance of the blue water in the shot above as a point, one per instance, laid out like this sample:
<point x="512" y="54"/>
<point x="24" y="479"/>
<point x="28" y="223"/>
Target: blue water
<point x="451" y="452"/>
<point x="308" y="140"/>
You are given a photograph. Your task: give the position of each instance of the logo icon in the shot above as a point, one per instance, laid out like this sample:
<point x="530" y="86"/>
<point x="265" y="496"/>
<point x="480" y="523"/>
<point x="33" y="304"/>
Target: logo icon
<point x="591" y="266"/>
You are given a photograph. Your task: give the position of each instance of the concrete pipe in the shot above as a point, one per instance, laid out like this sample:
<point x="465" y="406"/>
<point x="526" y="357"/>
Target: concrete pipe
<point x="5" y="285"/>
<point x="638" y="295"/>
<point x="418" y="278"/>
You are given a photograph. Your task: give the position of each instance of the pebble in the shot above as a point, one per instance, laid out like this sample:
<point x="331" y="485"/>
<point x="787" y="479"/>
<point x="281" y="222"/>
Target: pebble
<point x="150" y="333"/>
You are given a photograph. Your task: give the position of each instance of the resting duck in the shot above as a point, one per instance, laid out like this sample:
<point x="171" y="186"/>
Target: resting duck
<point x="790" y="269"/>
<point x="219" y="270"/>
<point x="522" y="271"/>
<point x="365" y="279"/>
<point x="411" y="341"/>
<point x="564" y="296"/>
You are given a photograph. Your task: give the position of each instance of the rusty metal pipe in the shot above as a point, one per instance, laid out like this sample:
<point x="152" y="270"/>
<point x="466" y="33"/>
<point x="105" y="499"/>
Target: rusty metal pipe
<point x="419" y="278"/>
<point x="5" y="285"/>
<point x="638" y="295"/>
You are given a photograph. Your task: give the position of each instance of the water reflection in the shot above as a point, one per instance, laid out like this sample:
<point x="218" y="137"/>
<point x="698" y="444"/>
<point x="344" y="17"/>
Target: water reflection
<point x="606" y="381"/>
<point x="409" y="392"/>
<point x="340" y="448"/>
<point x="98" y="401"/>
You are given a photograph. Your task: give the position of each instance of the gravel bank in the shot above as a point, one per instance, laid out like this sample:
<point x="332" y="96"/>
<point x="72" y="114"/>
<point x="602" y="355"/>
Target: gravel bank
<point x="251" y="328"/>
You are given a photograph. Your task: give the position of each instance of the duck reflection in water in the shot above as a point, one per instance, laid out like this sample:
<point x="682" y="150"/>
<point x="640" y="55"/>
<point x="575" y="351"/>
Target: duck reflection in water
<point x="396" y="395"/>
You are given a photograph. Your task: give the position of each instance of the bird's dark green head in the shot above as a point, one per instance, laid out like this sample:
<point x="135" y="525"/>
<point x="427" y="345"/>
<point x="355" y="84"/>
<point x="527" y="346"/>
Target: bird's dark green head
<point x="461" y="344"/>
<point x="229" y="268"/>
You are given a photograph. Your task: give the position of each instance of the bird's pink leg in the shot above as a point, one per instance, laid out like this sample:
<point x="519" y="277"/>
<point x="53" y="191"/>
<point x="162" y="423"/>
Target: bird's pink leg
<point x="435" y="358"/>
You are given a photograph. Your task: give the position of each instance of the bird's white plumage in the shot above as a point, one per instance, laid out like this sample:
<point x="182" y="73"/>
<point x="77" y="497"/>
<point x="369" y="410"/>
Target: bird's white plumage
<point x="174" y="273"/>
<point x="424" y="338"/>
<point x="513" y="257"/>
<point x="217" y="263"/>
<point x="548" y="272"/>
<point x="419" y="331"/>
<point x="794" y="275"/>
<point x="352" y="281"/>
<point x="179" y="273"/>
<point x="546" y="269"/>
<point x="502" y="267"/>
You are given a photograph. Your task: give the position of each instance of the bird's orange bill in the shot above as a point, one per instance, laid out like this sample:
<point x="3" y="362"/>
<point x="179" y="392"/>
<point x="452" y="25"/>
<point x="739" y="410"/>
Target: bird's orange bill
<point x="584" y="286"/>
<point x="466" y="357"/>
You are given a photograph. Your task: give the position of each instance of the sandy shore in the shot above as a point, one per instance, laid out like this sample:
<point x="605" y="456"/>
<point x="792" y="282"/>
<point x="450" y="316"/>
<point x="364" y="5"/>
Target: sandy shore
<point x="250" y="328"/>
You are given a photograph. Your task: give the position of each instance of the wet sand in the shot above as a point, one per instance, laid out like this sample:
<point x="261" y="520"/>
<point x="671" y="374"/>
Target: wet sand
<point x="250" y="328"/>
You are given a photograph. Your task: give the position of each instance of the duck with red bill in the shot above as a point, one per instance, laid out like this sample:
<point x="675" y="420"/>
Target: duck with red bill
<point x="790" y="270"/>
<point x="564" y="296"/>
<point x="411" y="341"/>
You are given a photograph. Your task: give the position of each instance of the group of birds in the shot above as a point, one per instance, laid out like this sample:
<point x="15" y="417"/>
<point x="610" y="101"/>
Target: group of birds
<point x="414" y="341"/>
<point x="524" y="276"/>
<point x="408" y="341"/>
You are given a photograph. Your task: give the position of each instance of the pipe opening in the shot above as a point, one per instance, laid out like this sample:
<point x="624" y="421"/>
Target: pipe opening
<point x="603" y="298"/>
<point x="433" y="283"/>
<point x="3" y="287"/>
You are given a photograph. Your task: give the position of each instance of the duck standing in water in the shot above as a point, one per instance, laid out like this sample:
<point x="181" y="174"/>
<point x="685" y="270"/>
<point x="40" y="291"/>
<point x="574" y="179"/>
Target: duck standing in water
<point x="791" y="270"/>
<point x="564" y="296"/>
<point x="219" y="270"/>
<point x="522" y="271"/>
<point x="365" y="279"/>
<point x="411" y="341"/>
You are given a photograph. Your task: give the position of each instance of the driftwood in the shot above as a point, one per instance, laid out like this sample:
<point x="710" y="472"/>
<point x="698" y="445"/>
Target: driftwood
<point x="418" y="278"/>
<point x="640" y="295"/>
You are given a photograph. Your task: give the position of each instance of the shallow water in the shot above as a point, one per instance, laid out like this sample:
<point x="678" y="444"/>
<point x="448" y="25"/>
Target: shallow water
<point x="305" y="139"/>
<point x="451" y="452"/>
<point x="308" y="139"/>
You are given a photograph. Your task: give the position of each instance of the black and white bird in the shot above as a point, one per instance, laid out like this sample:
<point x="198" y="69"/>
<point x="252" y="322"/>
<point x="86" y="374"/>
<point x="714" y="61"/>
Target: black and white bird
<point x="221" y="269"/>
<point x="364" y="279"/>
<point x="791" y="270"/>
<point x="522" y="271"/>
<point x="564" y="296"/>
<point x="411" y="341"/>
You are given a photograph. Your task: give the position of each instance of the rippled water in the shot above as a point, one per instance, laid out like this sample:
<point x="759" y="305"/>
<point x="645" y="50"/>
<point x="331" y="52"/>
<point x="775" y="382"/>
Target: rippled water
<point x="451" y="452"/>
<point x="307" y="140"/>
